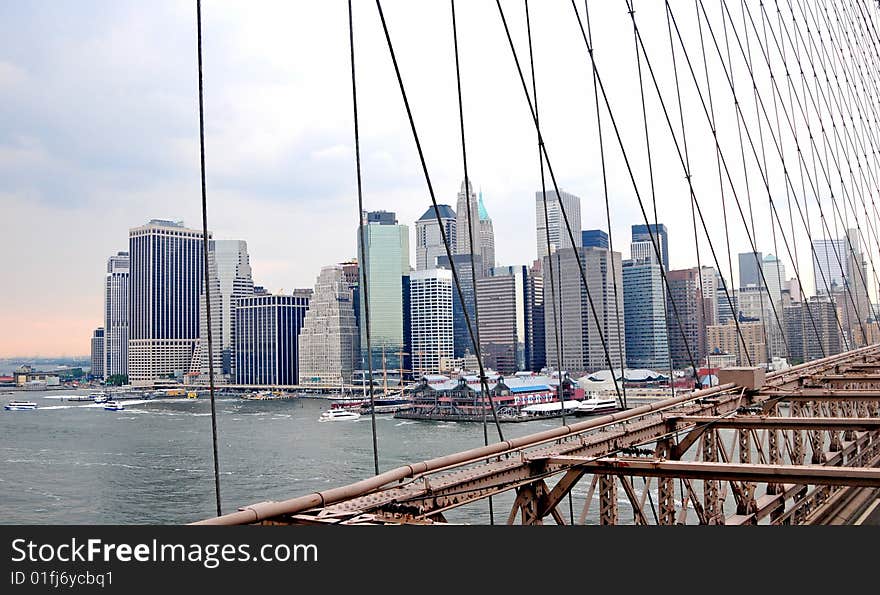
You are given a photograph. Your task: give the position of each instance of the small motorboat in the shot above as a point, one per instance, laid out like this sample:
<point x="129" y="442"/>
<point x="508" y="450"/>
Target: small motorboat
<point x="20" y="406"/>
<point x="114" y="406"/>
<point x="339" y="414"/>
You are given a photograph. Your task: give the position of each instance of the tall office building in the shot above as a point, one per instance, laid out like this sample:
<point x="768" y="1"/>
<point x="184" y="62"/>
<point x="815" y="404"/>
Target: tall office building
<point x="725" y="297"/>
<point x="386" y="269"/>
<point x="811" y="329"/>
<point x="199" y="371"/>
<point x="430" y="317"/>
<point x="429" y="240"/>
<point x="554" y="226"/>
<point x="166" y="279"/>
<point x="709" y="290"/>
<point x="487" y="236"/>
<point x="750" y="266"/>
<point x="267" y="331"/>
<point x="830" y="264"/>
<point x="460" y="310"/>
<point x="644" y="311"/>
<point x="328" y="341"/>
<point x="535" y="355"/>
<point x="685" y="326"/>
<point x="594" y="238"/>
<point x="116" y="315"/>
<point x="501" y="303"/>
<point x="97" y="361"/>
<point x="467" y="236"/>
<point x="580" y="338"/>
<point x="725" y="338"/>
<point x="644" y="233"/>
<point x="774" y="273"/>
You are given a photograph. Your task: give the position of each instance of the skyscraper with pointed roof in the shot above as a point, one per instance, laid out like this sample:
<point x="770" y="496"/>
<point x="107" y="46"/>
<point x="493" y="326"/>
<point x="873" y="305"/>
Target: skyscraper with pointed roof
<point x="429" y="241"/>
<point x="487" y="237"/>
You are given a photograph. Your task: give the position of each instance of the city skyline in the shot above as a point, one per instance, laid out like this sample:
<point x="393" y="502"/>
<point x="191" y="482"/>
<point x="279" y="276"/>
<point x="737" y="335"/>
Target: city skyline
<point x="123" y="150"/>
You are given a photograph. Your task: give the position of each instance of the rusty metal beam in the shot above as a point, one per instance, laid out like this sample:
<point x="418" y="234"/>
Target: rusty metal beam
<point x="819" y="394"/>
<point x="783" y="423"/>
<point x="800" y="474"/>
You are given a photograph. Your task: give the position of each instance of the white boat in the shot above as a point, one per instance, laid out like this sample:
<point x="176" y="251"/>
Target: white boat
<point x="114" y="406"/>
<point x="339" y="414"/>
<point x="596" y="405"/>
<point x="101" y="398"/>
<point x="20" y="406"/>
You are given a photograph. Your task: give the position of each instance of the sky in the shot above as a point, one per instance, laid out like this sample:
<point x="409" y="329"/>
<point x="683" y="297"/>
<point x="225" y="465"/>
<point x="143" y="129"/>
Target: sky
<point x="99" y="134"/>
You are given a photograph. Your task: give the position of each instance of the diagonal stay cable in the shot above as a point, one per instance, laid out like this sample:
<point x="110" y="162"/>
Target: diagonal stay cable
<point x="483" y="381"/>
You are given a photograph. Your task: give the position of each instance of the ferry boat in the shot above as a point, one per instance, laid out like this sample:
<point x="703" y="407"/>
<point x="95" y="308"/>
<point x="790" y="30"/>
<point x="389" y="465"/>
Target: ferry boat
<point x="596" y="405"/>
<point x="114" y="406"/>
<point x="20" y="406"/>
<point x="386" y="404"/>
<point x="339" y="414"/>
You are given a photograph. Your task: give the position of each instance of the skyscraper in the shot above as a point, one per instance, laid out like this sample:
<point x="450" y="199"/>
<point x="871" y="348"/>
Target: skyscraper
<point x="429" y="241"/>
<point x="116" y="315"/>
<point x="580" y="338"/>
<point x="97" y="360"/>
<point x="555" y="227"/>
<point x="461" y="336"/>
<point x="464" y="243"/>
<point x="750" y="264"/>
<point x="830" y="264"/>
<point x="328" y="340"/>
<point x="166" y="279"/>
<point x="536" y="357"/>
<point x="643" y="233"/>
<point x="430" y="320"/>
<point x="267" y="331"/>
<point x="487" y="237"/>
<point x="644" y="311"/>
<point x="774" y="273"/>
<point x="811" y="329"/>
<point x="501" y="302"/>
<point x="685" y="327"/>
<point x="199" y="371"/>
<point x="385" y="265"/>
<point x="594" y="238"/>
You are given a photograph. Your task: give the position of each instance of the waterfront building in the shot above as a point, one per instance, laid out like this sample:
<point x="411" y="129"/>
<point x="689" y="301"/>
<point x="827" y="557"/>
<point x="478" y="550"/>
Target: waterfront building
<point x="501" y="303"/>
<point x="430" y="317"/>
<point x="644" y="305"/>
<point x="429" y="240"/>
<point x="580" y="337"/>
<point x="535" y="354"/>
<point x="460" y="310"/>
<point x="97" y="361"/>
<point x="328" y="340"/>
<point x="750" y="266"/>
<point x="267" y="329"/>
<point x="116" y="283"/>
<point x="685" y="324"/>
<point x="386" y="267"/>
<point x="594" y="238"/>
<point x="555" y="227"/>
<point x="165" y="283"/>
<point x="487" y="236"/>
<point x="644" y="233"/>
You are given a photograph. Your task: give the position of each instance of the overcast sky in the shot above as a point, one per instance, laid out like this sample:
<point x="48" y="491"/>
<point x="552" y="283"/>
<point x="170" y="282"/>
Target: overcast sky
<point x="99" y="133"/>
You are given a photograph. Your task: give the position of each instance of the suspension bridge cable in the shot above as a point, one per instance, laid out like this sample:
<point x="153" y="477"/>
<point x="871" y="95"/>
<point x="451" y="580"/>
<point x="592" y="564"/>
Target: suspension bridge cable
<point x="557" y="322"/>
<point x="362" y="228"/>
<point x="667" y="294"/>
<point x="577" y="254"/>
<point x="682" y="161"/>
<point x="618" y="317"/>
<point x="205" y="258"/>
<point x="467" y="190"/>
<point x="443" y="234"/>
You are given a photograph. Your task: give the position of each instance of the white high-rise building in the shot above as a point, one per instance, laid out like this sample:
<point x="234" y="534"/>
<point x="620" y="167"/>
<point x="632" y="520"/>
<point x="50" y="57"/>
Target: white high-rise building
<point x="430" y="319"/>
<point x="774" y="273"/>
<point x="166" y="280"/>
<point x="429" y="241"/>
<point x="555" y="225"/>
<point x="328" y="341"/>
<point x="116" y="315"/>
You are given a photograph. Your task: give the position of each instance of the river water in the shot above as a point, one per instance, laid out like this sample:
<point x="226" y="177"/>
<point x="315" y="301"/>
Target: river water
<point x="75" y="463"/>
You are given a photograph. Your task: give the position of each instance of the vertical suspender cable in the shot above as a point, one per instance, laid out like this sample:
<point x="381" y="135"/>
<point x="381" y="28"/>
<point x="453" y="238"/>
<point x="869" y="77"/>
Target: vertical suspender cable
<point x="467" y="191"/>
<point x="205" y="263"/>
<point x="361" y="231"/>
